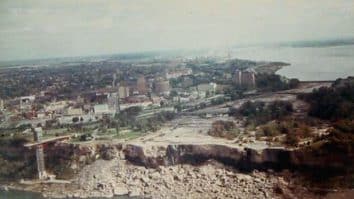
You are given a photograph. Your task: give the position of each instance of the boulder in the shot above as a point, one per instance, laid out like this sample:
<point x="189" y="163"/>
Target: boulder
<point x="120" y="190"/>
<point x="134" y="192"/>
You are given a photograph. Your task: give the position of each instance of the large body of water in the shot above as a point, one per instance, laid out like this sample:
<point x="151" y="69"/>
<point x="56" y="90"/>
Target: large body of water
<point x="19" y="195"/>
<point x="307" y="63"/>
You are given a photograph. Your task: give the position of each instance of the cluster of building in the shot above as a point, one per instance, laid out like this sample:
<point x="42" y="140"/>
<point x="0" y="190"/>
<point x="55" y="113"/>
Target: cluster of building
<point x="178" y="73"/>
<point x="90" y="106"/>
<point x="137" y="90"/>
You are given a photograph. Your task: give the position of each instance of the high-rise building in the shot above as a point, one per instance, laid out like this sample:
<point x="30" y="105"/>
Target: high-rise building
<point x="161" y="86"/>
<point x="245" y="78"/>
<point x="114" y="98"/>
<point x="238" y="77"/>
<point x="141" y="85"/>
<point x="123" y="91"/>
<point x="249" y="79"/>
<point x="2" y="106"/>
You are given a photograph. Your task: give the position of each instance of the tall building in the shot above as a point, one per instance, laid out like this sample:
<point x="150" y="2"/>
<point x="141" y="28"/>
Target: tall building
<point x="249" y="79"/>
<point x="113" y="98"/>
<point x="123" y="91"/>
<point x="141" y="85"/>
<point x="161" y="86"/>
<point x="245" y="78"/>
<point x="238" y="77"/>
<point x="2" y="106"/>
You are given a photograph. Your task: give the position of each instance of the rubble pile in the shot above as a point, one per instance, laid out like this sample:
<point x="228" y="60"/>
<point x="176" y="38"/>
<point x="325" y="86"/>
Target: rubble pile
<point x="211" y="180"/>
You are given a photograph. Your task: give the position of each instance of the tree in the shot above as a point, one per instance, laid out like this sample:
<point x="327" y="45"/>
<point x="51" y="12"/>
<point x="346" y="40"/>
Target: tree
<point x="117" y="127"/>
<point x="173" y="94"/>
<point x="274" y="82"/>
<point x="178" y="107"/>
<point x="293" y="83"/>
<point x="331" y="103"/>
<point x="75" y="119"/>
<point x="292" y="139"/>
<point x="133" y="111"/>
<point x="259" y="113"/>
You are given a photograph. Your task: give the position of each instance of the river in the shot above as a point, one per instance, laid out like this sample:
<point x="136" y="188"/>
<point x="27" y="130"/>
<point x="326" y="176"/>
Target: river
<point x="307" y="63"/>
<point x="29" y="195"/>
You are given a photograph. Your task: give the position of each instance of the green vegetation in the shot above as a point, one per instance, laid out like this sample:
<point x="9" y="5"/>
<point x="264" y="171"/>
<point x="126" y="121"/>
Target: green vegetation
<point x="15" y="163"/>
<point x="218" y="101"/>
<point x="336" y="102"/>
<point x="341" y="137"/>
<point x="224" y="129"/>
<point x="294" y="130"/>
<point x="338" y="143"/>
<point x="273" y="82"/>
<point x="344" y="126"/>
<point x="128" y="134"/>
<point x="155" y="122"/>
<point x="234" y="92"/>
<point x="128" y="118"/>
<point x="259" y="112"/>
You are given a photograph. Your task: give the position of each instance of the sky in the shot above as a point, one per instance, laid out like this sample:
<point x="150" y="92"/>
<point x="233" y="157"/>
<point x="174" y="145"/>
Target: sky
<point x="31" y="29"/>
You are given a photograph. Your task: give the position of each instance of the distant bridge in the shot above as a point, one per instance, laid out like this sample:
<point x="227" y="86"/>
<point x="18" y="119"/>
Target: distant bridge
<point x="47" y="141"/>
<point x="39" y="145"/>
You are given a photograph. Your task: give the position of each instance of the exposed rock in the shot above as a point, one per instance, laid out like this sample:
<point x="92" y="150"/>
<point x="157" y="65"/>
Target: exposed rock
<point x="178" y="181"/>
<point x="176" y="171"/>
<point x="120" y="190"/>
<point x="3" y="188"/>
<point x="134" y="192"/>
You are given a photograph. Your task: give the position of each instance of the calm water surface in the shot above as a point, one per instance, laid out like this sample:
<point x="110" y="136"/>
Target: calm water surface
<point x="324" y="63"/>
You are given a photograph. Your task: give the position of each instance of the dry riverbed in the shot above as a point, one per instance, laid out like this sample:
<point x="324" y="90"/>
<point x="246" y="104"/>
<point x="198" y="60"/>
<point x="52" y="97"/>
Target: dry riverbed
<point x="211" y="180"/>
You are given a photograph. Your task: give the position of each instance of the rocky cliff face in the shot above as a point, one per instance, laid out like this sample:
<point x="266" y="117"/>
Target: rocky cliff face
<point x="64" y="158"/>
<point x="75" y="156"/>
<point x="246" y="159"/>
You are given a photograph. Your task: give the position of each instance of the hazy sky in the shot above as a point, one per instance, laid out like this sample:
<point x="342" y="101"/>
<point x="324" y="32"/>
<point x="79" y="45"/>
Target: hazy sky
<point x="55" y="28"/>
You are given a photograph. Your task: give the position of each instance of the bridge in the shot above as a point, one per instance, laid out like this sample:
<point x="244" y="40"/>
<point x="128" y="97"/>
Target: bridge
<point x="47" y="141"/>
<point x="39" y="146"/>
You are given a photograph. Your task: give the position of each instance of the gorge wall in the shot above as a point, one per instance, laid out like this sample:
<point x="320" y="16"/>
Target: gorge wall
<point x="66" y="159"/>
<point x="244" y="159"/>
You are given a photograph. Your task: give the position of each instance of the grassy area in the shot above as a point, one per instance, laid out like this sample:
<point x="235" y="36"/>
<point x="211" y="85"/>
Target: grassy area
<point x="224" y="129"/>
<point x="128" y="134"/>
